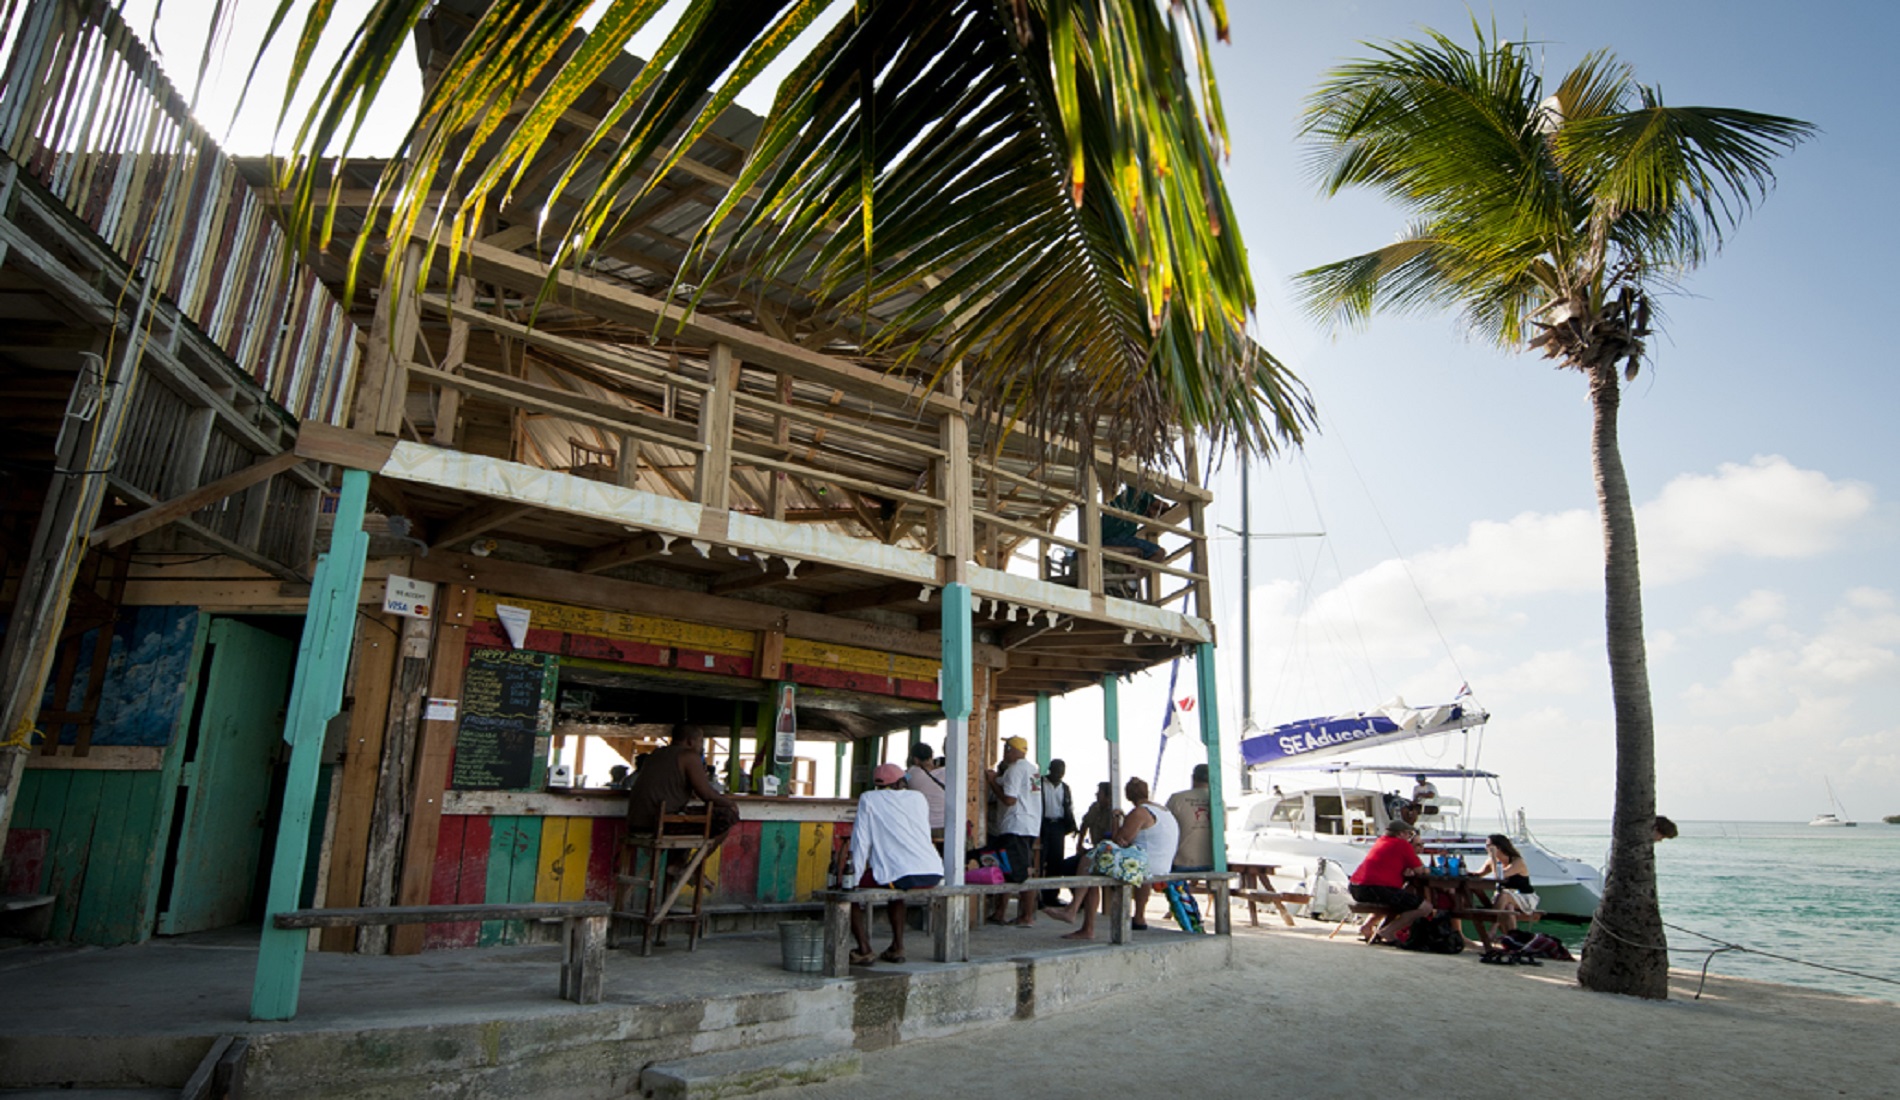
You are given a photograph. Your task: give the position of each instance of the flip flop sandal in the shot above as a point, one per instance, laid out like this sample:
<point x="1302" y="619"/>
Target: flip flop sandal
<point x="1495" y="956"/>
<point x="862" y="958"/>
<point x="889" y="957"/>
<point x="1139" y="926"/>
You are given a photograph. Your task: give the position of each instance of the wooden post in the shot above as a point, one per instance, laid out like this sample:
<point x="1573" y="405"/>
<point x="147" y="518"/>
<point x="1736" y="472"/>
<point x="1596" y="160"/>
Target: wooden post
<point x="448" y="405"/>
<point x="712" y="484"/>
<point x="1091" y="533"/>
<point x="316" y="696"/>
<point x="1042" y="733"/>
<point x="958" y="690"/>
<point x="432" y="763"/>
<point x="376" y="646"/>
<point x="403" y="719"/>
<point x="1210" y="736"/>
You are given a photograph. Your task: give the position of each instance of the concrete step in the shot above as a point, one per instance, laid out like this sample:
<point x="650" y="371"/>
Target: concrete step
<point x="743" y="1072"/>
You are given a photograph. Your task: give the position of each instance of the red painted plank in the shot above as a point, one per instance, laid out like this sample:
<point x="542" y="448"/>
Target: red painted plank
<point x="738" y="867"/>
<point x="871" y="683"/>
<point x="24" y="859"/>
<point x="471" y="885"/>
<point x="445" y="883"/>
<point x="726" y="664"/>
<point x="617" y="649"/>
<point x="608" y="832"/>
<point x="917" y="689"/>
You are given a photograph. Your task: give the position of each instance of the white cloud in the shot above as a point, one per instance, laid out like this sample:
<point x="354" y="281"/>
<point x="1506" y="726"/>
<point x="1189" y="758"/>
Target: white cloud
<point x="1758" y="608"/>
<point x="1766" y="509"/>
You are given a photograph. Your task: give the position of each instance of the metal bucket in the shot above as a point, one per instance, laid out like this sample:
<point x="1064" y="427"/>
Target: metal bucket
<point x="801" y="945"/>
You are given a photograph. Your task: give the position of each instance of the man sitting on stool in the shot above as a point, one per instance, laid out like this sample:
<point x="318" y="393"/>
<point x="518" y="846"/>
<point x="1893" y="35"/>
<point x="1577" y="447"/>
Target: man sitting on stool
<point x="890" y="841"/>
<point x="668" y="778"/>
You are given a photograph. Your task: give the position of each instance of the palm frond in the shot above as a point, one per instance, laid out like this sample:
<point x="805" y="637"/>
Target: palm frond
<point x="1030" y="187"/>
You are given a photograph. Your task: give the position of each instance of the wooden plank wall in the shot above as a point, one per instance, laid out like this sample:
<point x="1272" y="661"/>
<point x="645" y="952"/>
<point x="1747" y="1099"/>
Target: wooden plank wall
<point x="98" y="865"/>
<point x="506" y="858"/>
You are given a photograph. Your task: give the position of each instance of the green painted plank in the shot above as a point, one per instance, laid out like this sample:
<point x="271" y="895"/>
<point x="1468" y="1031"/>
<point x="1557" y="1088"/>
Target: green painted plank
<point x="1210" y="736"/>
<point x="42" y="798"/>
<point x="148" y="818"/>
<point x="522" y="873"/>
<point x="71" y="847"/>
<point x="101" y="915"/>
<point x="501" y="859"/>
<point x="778" y="860"/>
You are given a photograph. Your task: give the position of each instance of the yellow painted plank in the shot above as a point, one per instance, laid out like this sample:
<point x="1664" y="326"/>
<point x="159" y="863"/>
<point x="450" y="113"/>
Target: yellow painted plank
<point x="615" y="624"/>
<point x="580" y="847"/>
<point x="854" y="659"/>
<point x="547" y="872"/>
<point x="814" y="858"/>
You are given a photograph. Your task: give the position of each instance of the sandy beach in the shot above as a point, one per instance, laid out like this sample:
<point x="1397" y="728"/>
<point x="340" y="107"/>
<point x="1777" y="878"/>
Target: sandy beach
<point x="1299" y="1015"/>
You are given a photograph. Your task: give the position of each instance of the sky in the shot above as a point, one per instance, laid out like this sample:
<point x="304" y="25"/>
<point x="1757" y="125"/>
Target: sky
<point x="1453" y="481"/>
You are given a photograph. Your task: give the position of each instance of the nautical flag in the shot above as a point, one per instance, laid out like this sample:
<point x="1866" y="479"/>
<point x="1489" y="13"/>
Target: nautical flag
<point x="1464" y="689"/>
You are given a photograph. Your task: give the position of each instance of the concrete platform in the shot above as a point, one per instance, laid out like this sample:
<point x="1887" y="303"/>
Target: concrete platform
<point x="489" y="1022"/>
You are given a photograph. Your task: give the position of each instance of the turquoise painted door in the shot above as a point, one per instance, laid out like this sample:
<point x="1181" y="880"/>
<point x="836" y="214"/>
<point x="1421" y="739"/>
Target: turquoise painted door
<point x="226" y="780"/>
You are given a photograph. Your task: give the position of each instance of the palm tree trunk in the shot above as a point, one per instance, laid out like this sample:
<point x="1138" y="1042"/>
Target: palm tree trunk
<point x="1625" y="951"/>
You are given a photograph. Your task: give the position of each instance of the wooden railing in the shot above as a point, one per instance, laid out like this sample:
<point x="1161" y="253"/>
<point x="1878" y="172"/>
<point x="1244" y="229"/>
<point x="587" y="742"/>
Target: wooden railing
<point x="85" y="111"/>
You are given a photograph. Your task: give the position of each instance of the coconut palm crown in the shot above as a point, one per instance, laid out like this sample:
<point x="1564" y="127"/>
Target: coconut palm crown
<point x="1027" y="188"/>
<point x="1550" y="219"/>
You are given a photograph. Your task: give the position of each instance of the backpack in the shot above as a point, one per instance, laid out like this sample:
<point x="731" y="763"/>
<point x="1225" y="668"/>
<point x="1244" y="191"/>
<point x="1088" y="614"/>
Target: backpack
<point x="1436" y="935"/>
<point x="1539" y="945"/>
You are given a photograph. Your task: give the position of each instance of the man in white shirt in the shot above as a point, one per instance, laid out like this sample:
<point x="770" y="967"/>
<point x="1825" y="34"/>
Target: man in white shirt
<point x="1015" y="789"/>
<point x="927" y="780"/>
<point x="1424" y="791"/>
<point x="890" y="842"/>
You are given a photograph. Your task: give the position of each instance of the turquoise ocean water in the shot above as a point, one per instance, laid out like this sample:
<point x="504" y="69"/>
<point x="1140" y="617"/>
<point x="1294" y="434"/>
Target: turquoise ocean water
<point x="1828" y="896"/>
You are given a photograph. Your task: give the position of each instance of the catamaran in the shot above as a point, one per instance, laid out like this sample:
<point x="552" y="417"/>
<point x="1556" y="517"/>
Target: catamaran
<point x="1317" y="834"/>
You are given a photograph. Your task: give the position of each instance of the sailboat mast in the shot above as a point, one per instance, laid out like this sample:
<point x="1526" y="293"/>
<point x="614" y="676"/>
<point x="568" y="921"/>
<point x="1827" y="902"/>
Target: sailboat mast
<point x="1246" y="617"/>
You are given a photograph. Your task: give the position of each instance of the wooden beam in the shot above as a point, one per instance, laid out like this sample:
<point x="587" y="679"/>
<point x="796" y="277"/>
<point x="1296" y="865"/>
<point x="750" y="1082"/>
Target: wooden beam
<point x="319" y="442"/>
<point x="880" y="596"/>
<point x="638" y="548"/>
<point x="151" y="519"/>
<point x="539" y="582"/>
<point x="741" y="580"/>
<point x="479" y="520"/>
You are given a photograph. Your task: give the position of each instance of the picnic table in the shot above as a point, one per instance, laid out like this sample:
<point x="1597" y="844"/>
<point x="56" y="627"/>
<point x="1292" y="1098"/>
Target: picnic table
<point x="1256" y="887"/>
<point x="1473" y="899"/>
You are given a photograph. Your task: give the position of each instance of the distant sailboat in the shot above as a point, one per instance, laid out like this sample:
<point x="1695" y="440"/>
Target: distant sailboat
<point x="1838" y="818"/>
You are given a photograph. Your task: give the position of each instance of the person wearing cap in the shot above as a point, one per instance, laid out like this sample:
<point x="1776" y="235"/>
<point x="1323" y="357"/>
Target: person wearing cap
<point x="1192" y="813"/>
<point x="926" y="779"/>
<point x="890" y="841"/>
<point x="1015" y="789"/>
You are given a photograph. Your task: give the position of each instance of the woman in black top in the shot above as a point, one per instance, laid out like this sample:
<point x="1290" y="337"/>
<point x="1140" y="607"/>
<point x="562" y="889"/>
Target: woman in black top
<point x="1507" y="865"/>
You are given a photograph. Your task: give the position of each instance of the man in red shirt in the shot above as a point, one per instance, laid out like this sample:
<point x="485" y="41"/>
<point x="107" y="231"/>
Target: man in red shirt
<point x="1380" y="880"/>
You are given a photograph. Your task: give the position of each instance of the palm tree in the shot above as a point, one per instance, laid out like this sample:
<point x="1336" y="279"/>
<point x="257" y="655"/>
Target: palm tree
<point x="1551" y="221"/>
<point x="1029" y="188"/>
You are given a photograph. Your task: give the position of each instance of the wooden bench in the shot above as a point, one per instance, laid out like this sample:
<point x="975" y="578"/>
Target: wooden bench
<point x="583" y="932"/>
<point x="1276" y="898"/>
<point x="949" y="924"/>
<point x="1383" y="912"/>
<point x="28" y="916"/>
<point x="1220" y="884"/>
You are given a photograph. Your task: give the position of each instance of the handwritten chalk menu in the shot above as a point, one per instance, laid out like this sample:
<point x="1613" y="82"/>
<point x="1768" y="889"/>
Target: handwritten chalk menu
<point x="507" y="714"/>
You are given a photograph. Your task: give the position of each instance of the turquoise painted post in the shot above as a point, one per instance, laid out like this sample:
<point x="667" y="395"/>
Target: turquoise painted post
<point x="1112" y="733"/>
<point x="1042" y="732"/>
<point x="1210" y="736"/>
<point x="316" y="695"/>
<point x="958" y="687"/>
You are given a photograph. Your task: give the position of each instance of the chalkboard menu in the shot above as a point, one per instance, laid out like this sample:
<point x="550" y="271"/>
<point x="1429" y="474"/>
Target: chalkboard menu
<point x="507" y="714"/>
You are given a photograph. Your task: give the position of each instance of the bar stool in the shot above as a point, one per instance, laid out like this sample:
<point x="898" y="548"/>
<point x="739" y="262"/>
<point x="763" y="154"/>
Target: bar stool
<point x="641" y="892"/>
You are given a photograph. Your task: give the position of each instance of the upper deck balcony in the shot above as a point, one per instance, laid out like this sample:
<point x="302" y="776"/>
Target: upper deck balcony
<point x="747" y="445"/>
